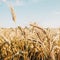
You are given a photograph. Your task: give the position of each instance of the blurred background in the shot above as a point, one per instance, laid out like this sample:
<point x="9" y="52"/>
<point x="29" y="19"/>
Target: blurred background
<point x="45" y="13"/>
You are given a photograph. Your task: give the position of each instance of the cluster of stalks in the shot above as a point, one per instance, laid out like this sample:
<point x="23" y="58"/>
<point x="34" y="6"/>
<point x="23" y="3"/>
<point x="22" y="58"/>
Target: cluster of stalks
<point x="31" y="43"/>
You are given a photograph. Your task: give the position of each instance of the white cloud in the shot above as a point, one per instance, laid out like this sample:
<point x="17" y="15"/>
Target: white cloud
<point x="4" y="0"/>
<point x="58" y="12"/>
<point x="13" y="2"/>
<point x="19" y="2"/>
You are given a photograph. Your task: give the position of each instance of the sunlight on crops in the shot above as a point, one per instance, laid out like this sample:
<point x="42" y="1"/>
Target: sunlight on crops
<point x="29" y="43"/>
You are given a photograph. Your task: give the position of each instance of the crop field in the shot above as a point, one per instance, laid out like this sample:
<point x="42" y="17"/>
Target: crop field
<point x="30" y="43"/>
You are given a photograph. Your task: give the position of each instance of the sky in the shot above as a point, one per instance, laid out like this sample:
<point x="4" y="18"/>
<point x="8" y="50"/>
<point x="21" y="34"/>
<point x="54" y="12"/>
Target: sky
<point x="45" y="13"/>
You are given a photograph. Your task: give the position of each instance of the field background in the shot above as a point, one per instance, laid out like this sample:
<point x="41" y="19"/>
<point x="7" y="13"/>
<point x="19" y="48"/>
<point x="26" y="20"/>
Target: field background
<point x="16" y="42"/>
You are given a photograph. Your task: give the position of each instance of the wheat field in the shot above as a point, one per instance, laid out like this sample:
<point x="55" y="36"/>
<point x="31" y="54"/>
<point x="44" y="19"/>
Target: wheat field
<point x="30" y="43"/>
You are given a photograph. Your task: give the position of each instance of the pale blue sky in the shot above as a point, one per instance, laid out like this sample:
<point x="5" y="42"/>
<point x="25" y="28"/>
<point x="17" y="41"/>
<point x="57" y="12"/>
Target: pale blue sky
<point x="45" y="13"/>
